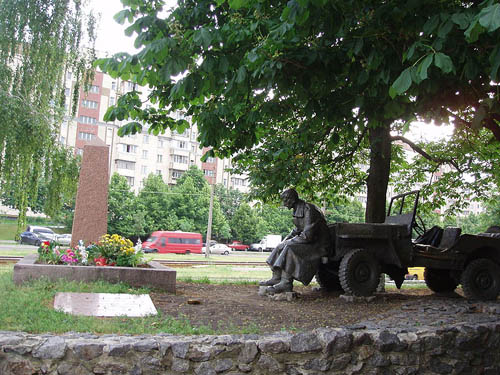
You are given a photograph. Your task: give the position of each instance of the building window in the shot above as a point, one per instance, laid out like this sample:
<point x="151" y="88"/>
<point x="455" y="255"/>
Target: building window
<point x="238" y="181"/>
<point x="113" y="85"/>
<point x="68" y="75"/>
<point x="183" y="134"/>
<point x="158" y="172"/>
<point x="144" y="154"/>
<point x="62" y="140"/>
<point x="144" y="169"/>
<point x="87" y="120"/>
<point x="210" y="159"/>
<point x="209" y="172"/>
<point x="79" y="151"/>
<point x="160" y="143"/>
<point x="67" y="91"/>
<point x="145" y="139"/>
<point x="182" y="144"/>
<point x="89" y="104"/>
<point x="159" y="158"/>
<point x="124" y="164"/>
<point x="127" y="148"/>
<point x="180" y="159"/>
<point x="86" y="136"/>
<point x="94" y="89"/>
<point x="176" y="174"/>
<point x="111" y="100"/>
<point x="130" y="181"/>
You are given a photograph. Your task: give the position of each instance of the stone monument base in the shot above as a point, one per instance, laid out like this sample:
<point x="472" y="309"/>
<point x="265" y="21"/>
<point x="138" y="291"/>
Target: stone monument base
<point x="154" y="276"/>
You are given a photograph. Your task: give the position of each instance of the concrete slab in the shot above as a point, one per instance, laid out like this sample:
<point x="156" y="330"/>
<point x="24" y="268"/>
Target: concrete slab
<point x="105" y="304"/>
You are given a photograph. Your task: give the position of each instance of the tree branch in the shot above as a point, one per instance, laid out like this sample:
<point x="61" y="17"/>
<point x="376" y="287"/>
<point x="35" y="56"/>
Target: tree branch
<point x="420" y="151"/>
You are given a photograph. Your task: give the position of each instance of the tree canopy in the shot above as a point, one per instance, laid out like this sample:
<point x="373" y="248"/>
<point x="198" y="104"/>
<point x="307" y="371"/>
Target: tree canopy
<point x="304" y="92"/>
<point x="39" y="42"/>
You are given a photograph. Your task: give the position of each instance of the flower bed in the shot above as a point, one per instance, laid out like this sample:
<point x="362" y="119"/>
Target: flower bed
<point x="110" y="250"/>
<point x="112" y="259"/>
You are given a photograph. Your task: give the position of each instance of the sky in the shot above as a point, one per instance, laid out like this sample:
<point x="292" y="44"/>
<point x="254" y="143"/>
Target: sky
<point x="111" y="38"/>
<point x="111" y="35"/>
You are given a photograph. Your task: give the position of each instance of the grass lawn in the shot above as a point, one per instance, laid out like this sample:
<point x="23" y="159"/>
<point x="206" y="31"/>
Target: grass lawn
<point x="8" y="230"/>
<point x="28" y="308"/>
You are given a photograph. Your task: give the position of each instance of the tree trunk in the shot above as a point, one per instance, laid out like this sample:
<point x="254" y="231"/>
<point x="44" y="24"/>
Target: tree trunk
<point x="378" y="176"/>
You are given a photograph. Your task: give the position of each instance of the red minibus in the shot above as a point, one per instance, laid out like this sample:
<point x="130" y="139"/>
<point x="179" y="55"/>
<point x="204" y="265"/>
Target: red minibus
<point x="173" y="242"/>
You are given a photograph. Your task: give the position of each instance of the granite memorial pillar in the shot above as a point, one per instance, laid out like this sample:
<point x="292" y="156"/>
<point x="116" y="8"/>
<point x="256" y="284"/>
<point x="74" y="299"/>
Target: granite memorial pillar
<point x="91" y="209"/>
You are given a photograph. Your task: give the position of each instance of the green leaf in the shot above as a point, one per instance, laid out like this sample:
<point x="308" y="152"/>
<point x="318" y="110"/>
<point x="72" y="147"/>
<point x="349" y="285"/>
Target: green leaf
<point x="401" y="84"/>
<point x="473" y="32"/>
<point x="431" y="24"/>
<point x="445" y="28"/>
<point x="424" y="65"/>
<point x="489" y="17"/>
<point x="443" y="62"/>
<point x="461" y="19"/>
<point x="241" y="75"/>
<point x="121" y="16"/>
<point x="130" y="128"/>
<point x="495" y="62"/>
<point x="237" y="4"/>
<point x="407" y="55"/>
<point x="285" y="14"/>
<point x="252" y="56"/>
<point x="206" y="37"/>
<point x="358" y="46"/>
<point x="363" y="77"/>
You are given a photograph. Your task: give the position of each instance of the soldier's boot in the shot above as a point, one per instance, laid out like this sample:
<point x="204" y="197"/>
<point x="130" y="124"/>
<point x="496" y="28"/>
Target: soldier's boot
<point x="275" y="279"/>
<point x="285" y="285"/>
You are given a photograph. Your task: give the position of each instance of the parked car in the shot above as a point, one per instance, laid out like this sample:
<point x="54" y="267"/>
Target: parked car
<point x="173" y="242"/>
<point x="47" y="233"/>
<point x="237" y="245"/>
<point x="63" y="239"/>
<point x="32" y="238"/>
<point x="218" y="248"/>
<point x="415" y="273"/>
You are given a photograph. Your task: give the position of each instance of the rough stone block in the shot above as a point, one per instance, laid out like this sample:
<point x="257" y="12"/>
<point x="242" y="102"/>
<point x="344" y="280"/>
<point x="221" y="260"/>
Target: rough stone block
<point x="91" y="209"/>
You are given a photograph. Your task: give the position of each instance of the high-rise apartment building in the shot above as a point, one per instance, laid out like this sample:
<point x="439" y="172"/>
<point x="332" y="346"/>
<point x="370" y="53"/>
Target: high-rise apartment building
<point x="136" y="156"/>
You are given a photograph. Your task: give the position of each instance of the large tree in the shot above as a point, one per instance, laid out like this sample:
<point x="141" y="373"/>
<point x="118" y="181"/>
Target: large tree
<point x="126" y="214"/>
<point x="39" y="42"/>
<point x="317" y="85"/>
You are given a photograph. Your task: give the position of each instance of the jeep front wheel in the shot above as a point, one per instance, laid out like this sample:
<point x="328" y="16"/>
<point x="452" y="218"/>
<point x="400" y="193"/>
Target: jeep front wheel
<point x="481" y="280"/>
<point x="359" y="273"/>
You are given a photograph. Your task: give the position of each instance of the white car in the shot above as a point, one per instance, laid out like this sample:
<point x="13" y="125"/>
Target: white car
<point x="218" y="248"/>
<point x="63" y="239"/>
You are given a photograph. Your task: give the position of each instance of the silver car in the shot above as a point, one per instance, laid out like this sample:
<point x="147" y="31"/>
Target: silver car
<point x="63" y="239"/>
<point x="218" y="248"/>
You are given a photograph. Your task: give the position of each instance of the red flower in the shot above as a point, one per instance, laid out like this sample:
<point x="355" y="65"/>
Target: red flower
<point x="45" y="243"/>
<point x="101" y="261"/>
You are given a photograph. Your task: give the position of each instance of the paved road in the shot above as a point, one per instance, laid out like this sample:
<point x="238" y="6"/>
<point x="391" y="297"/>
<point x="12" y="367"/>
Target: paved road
<point x="11" y="245"/>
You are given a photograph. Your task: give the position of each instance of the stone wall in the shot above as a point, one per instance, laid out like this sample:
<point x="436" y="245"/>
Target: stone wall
<point x="458" y="349"/>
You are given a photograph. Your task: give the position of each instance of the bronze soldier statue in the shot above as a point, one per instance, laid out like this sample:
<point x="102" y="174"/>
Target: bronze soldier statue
<point x="298" y="256"/>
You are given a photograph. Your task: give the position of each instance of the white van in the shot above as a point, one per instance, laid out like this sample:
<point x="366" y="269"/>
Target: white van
<point x="42" y="231"/>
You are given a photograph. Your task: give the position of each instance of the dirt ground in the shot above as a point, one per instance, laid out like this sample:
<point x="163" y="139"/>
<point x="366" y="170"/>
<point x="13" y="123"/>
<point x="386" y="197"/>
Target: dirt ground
<point x="224" y="307"/>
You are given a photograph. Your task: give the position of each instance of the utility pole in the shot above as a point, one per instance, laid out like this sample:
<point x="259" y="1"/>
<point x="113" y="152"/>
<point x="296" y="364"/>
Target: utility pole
<point x="209" y="226"/>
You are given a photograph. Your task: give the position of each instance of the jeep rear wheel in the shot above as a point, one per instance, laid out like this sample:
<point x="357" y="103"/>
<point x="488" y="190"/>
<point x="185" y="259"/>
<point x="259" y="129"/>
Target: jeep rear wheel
<point x="328" y="276"/>
<point x="439" y="281"/>
<point x="359" y="273"/>
<point x="481" y="280"/>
